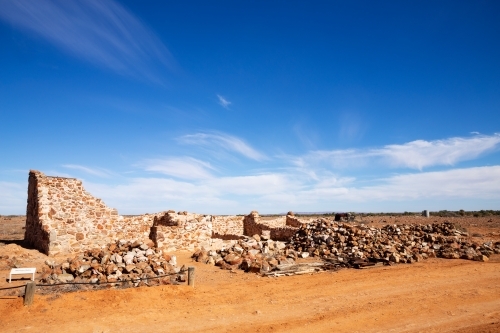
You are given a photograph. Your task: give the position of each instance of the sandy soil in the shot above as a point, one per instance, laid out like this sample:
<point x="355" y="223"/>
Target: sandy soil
<point x="437" y="295"/>
<point x="12" y="228"/>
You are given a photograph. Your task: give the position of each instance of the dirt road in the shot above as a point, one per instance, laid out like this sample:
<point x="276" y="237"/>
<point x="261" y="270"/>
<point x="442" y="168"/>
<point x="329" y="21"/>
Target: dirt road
<point x="437" y="295"/>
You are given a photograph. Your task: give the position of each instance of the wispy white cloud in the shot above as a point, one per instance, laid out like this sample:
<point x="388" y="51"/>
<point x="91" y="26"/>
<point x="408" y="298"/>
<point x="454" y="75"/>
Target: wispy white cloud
<point x="224" y="141"/>
<point x="415" y="154"/>
<point x="150" y="195"/>
<point x="99" y="172"/>
<point x="473" y="183"/>
<point x="222" y="195"/>
<point x="101" y="32"/>
<point x="351" y="127"/>
<point x="58" y="173"/>
<point x="469" y="188"/>
<point x="12" y="198"/>
<point x="307" y="136"/>
<point x="223" y="102"/>
<point x="179" y="167"/>
<point x="185" y="183"/>
<point x="252" y="185"/>
<point x="419" y="154"/>
<point x="272" y="192"/>
<point x="280" y="192"/>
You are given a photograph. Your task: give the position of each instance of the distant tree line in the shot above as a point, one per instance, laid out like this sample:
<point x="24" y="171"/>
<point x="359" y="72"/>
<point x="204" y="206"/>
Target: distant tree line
<point x="441" y="213"/>
<point x="461" y="212"/>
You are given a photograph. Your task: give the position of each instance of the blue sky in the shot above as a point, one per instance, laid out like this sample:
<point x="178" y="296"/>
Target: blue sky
<point x="224" y="107"/>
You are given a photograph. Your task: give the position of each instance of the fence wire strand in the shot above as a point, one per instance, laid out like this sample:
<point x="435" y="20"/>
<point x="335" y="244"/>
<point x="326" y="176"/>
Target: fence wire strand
<point x="94" y="283"/>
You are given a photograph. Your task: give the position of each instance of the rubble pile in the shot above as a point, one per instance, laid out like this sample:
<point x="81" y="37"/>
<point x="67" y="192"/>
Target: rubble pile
<point x="257" y="254"/>
<point x="134" y="263"/>
<point x="340" y="245"/>
<point x="348" y="245"/>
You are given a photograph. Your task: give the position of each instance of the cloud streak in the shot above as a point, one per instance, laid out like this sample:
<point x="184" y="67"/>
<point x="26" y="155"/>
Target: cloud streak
<point x="416" y="154"/>
<point x="99" y="172"/>
<point x="275" y="192"/>
<point x="223" y="102"/>
<point x="476" y="182"/>
<point x="223" y="141"/>
<point x="12" y="198"/>
<point x="419" y="154"/>
<point x="279" y="192"/>
<point x="186" y="183"/>
<point x="100" y="32"/>
<point x="181" y="167"/>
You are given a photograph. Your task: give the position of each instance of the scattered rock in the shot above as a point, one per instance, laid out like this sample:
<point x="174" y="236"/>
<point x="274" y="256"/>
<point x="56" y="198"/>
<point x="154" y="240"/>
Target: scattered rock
<point x="481" y="257"/>
<point x="120" y="261"/>
<point x="251" y="254"/>
<point x="348" y="245"/>
<point x="341" y="244"/>
<point x="51" y="263"/>
<point x="65" y="277"/>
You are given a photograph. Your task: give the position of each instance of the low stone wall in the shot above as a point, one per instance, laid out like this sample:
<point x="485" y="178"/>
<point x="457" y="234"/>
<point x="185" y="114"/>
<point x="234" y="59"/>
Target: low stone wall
<point x="227" y="227"/>
<point x="134" y="227"/>
<point x="274" y="223"/>
<point x="293" y="221"/>
<point x="278" y="229"/>
<point x="283" y="234"/>
<point x="172" y="231"/>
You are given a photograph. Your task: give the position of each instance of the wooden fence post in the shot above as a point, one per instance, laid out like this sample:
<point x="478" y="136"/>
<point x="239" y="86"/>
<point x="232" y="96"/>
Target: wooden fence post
<point x="29" y="293"/>
<point x="191" y="276"/>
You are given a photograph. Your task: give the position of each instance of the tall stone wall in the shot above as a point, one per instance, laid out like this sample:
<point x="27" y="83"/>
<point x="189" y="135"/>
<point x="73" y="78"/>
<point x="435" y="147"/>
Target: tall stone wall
<point x="62" y="217"/>
<point x="36" y="233"/>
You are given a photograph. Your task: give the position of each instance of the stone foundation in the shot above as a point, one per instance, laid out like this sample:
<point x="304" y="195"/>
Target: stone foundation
<point x="61" y="217"/>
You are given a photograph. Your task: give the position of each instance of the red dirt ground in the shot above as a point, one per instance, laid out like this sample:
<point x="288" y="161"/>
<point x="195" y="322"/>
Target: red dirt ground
<point x="436" y="295"/>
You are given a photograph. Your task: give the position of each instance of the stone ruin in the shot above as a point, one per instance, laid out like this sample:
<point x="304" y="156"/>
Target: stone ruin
<point x="63" y="218"/>
<point x="332" y="245"/>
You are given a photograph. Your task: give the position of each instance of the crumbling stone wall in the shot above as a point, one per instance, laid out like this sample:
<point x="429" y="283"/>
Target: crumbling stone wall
<point x="61" y="217"/>
<point x="251" y="224"/>
<point x="36" y="234"/>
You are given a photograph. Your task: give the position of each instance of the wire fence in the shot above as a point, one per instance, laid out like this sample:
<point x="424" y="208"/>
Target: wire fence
<point x="13" y="287"/>
<point x="95" y="283"/>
